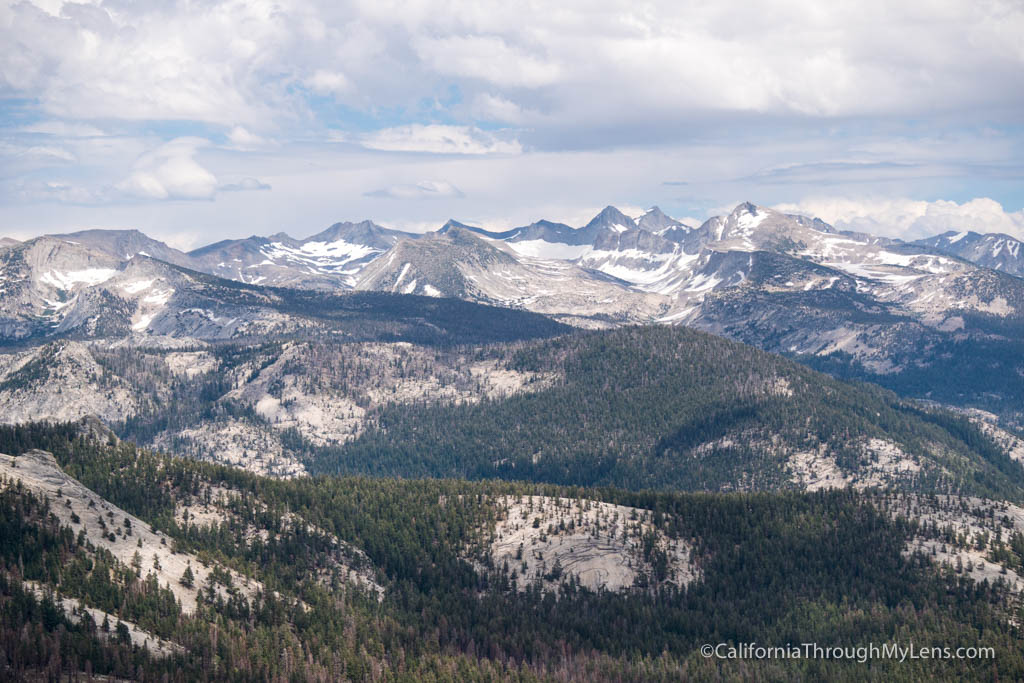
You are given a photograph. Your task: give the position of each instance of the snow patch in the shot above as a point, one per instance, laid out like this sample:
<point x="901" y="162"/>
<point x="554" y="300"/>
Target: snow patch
<point x="402" y="273"/>
<point x="137" y="286"/>
<point x="703" y="283"/>
<point x="543" y="249"/>
<point x="159" y="298"/>
<point x="143" y="322"/>
<point x="749" y="221"/>
<point x="320" y="255"/>
<point x="88" y="277"/>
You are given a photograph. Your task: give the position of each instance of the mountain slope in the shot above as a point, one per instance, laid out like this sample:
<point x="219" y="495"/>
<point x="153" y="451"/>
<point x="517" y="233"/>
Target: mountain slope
<point x="830" y="568"/>
<point x="460" y="264"/>
<point x="127" y="244"/>
<point x="644" y="407"/>
<point x="328" y="260"/>
<point x="656" y="221"/>
<point x="994" y="250"/>
<point x="52" y="288"/>
<point x="670" y="408"/>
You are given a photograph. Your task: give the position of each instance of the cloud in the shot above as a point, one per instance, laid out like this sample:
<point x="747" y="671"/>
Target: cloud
<point x="183" y="240"/>
<point x="600" y="66"/>
<point x="487" y="58"/>
<point x="325" y="82"/>
<point x="492" y="107"/>
<point x="62" y="129"/>
<point x="48" y="153"/>
<point x="54" y="191"/>
<point x="132" y="63"/>
<point x="18" y="159"/>
<point x="832" y="172"/>
<point x="244" y="139"/>
<point x="527" y="110"/>
<point x="911" y="219"/>
<point x="439" y="139"/>
<point x="425" y="189"/>
<point x="170" y="172"/>
<point x="243" y="185"/>
<point x="37" y="155"/>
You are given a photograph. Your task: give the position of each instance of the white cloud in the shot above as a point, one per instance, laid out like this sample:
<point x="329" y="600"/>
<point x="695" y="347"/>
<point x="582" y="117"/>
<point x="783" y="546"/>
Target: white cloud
<point x="242" y="138"/>
<point x="20" y="160"/>
<point x="48" y="153"/>
<point x="492" y="107"/>
<point x="488" y="58"/>
<point x="425" y="189"/>
<point x="62" y="129"/>
<point x="243" y="185"/>
<point x="604" y="102"/>
<point x="155" y="61"/>
<point x="591" y="64"/>
<point x="439" y="139"/>
<point x="170" y="172"/>
<point x="183" y="240"/>
<point x="325" y="82"/>
<point x="911" y="219"/>
<point x="54" y="191"/>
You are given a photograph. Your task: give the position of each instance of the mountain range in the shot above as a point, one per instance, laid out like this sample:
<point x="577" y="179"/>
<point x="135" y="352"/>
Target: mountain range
<point x="940" y="318"/>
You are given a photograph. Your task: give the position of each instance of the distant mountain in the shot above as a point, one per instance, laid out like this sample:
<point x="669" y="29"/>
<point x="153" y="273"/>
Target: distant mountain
<point x="442" y="264"/>
<point x="656" y="221"/>
<point x="328" y="260"/>
<point x="546" y="239"/>
<point x="368" y="351"/>
<point x="993" y="250"/>
<point x="530" y="237"/>
<point x="609" y="219"/>
<point x="786" y="283"/>
<point x="50" y="287"/>
<point x="457" y="262"/>
<point x="126" y="244"/>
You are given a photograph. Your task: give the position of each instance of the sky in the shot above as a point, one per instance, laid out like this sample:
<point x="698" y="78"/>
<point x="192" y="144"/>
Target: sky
<point x="197" y="121"/>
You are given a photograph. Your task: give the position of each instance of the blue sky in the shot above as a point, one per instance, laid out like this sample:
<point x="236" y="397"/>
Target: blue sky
<point x="196" y="121"/>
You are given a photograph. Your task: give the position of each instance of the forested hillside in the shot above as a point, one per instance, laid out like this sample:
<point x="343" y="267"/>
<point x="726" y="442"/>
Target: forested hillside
<point x="675" y="408"/>
<point x="980" y="372"/>
<point x="662" y="408"/>
<point x="827" y="567"/>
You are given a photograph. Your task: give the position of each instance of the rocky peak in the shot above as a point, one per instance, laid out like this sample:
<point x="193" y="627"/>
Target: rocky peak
<point x="656" y="221"/>
<point x="609" y="218"/>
